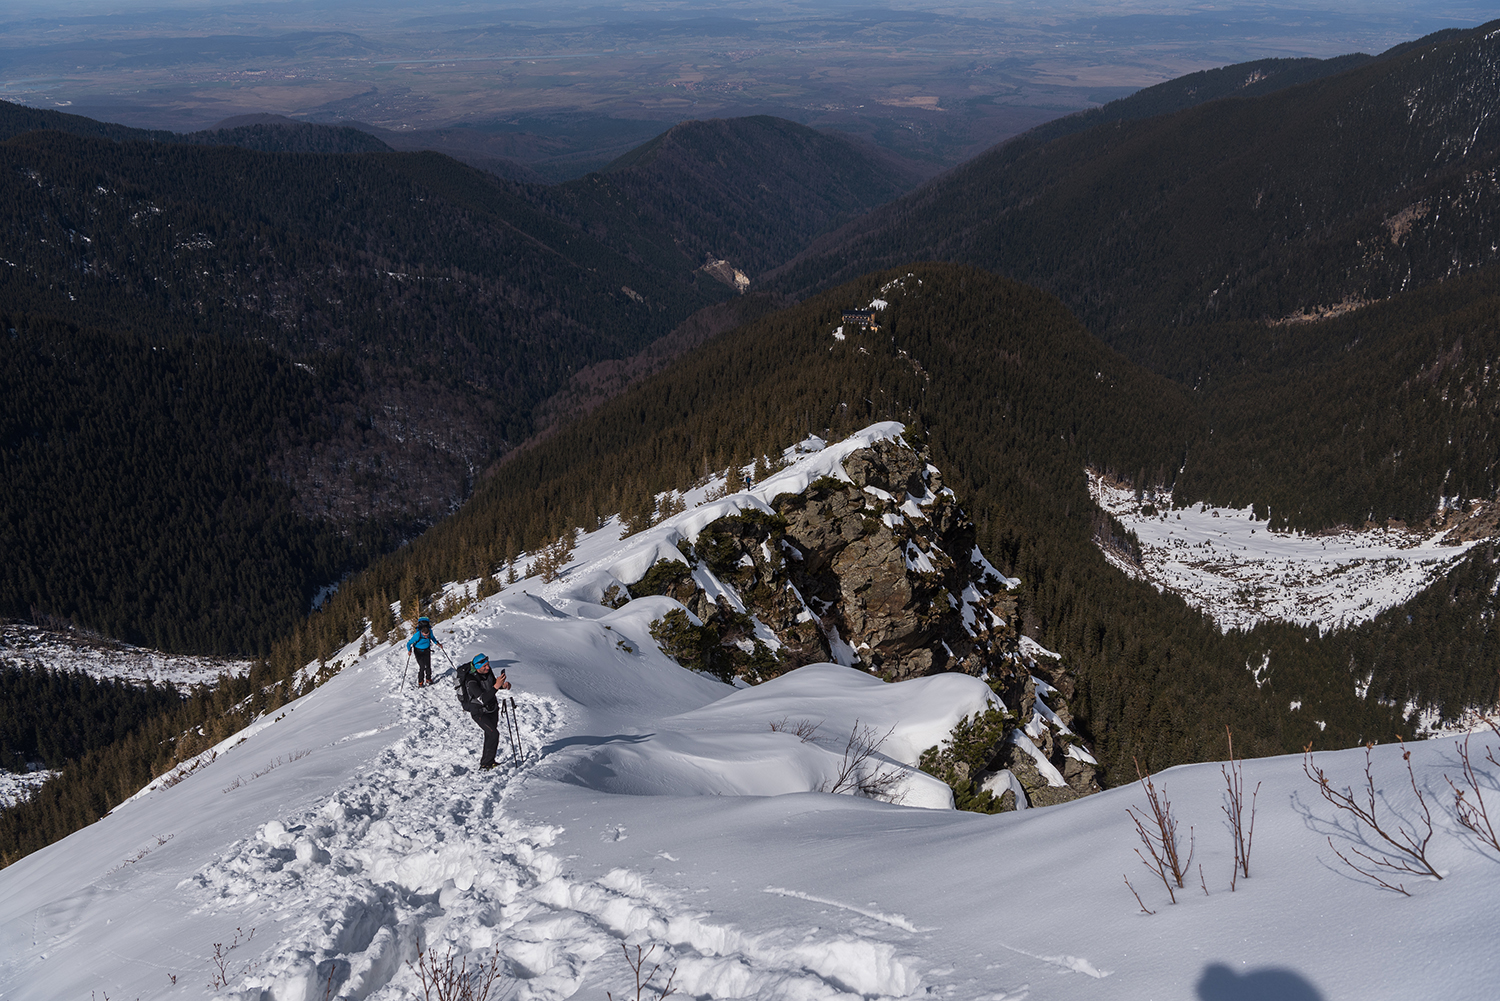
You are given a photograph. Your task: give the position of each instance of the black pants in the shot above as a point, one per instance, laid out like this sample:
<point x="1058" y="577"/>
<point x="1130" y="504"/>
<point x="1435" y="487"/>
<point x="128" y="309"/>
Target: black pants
<point x="489" y="722"/>
<point x="424" y="666"/>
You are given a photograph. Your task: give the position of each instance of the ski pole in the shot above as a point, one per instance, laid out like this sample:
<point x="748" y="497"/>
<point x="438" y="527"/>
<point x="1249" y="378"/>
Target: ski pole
<point x="404" y="666"/>
<point x="449" y="656"/>
<point x="512" y="730"/>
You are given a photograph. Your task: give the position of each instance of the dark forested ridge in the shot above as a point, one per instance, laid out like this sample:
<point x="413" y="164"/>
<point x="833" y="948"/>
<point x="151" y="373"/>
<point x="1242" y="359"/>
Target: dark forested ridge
<point x="134" y="491"/>
<point x="431" y="307"/>
<point x="51" y="717"/>
<point x="1251" y="79"/>
<point x="1376" y="415"/>
<point x="1343" y="189"/>
<point x="752" y="191"/>
<point x="268" y="133"/>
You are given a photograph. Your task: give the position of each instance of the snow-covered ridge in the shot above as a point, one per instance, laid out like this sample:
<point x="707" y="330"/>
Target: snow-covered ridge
<point x="940" y="605"/>
<point x="1223" y="561"/>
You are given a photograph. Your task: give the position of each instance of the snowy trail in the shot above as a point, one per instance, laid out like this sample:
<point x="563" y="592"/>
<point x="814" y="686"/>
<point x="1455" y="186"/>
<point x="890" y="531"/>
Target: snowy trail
<point x="421" y="852"/>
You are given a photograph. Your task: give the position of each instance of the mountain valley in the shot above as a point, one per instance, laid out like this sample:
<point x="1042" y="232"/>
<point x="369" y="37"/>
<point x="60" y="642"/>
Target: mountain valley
<point x="1164" y="433"/>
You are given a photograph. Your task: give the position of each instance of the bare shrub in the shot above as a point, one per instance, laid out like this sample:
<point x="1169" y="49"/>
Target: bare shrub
<point x="642" y="984"/>
<point x="1243" y="833"/>
<point x="1473" y="813"/>
<point x="803" y="729"/>
<point x="1408" y="847"/>
<point x="222" y="972"/>
<point x="180" y="772"/>
<point x="861" y="772"/>
<point x="1158" y="834"/>
<point x="452" y="979"/>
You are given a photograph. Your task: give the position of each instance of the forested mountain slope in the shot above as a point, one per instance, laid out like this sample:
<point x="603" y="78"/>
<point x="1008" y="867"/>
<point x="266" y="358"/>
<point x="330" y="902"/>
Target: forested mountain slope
<point x="269" y="133"/>
<point x="1341" y="190"/>
<point x="284" y="362"/>
<point x="412" y="309"/>
<point x="752" y="191"/>
<point x="1016" y="398"/>
<point x="1379" y="414"/>
<point x="1251" y="79"/>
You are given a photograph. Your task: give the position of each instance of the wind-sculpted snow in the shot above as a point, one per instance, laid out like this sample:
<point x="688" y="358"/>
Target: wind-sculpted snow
<point x="1238" y="571"/>
<point x="729" y="748"/>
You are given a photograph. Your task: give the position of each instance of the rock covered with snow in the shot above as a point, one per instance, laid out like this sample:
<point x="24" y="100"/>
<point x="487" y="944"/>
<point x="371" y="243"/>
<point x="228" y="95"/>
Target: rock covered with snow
<point x="853" y="553"/>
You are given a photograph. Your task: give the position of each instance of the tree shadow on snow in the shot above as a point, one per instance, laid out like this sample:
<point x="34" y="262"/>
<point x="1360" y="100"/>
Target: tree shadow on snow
<point x="1220" y="983"/>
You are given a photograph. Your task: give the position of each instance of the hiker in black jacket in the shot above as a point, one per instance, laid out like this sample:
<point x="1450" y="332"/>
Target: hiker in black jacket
<point x="476" y="693"/>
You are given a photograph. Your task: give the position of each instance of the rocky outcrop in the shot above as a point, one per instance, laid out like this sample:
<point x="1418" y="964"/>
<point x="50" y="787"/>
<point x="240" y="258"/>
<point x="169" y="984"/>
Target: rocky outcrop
<point x="881" y="571"/>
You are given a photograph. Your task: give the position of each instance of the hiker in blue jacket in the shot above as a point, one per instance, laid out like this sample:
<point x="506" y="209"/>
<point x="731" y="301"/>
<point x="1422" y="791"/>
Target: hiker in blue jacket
<point x="421" y="644"/>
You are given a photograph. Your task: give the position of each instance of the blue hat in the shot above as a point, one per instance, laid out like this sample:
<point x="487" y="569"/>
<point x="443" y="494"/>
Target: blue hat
<point x="480" y="662"/>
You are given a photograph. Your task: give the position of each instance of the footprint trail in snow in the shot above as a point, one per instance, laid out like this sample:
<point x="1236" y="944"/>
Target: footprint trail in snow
<point x="419" y="853"/>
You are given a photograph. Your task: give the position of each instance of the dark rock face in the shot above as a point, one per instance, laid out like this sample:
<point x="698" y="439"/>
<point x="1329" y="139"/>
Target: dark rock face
<point x="889" y="559"/>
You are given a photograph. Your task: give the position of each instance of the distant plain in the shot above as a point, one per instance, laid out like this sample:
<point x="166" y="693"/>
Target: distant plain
<point x="565" y="87"/>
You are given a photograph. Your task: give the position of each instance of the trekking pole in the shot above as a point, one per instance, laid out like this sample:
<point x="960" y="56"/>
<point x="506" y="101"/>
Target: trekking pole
<point x="512" y="729"/>
<point x="449" y="656"/>
<point x="405" y="664"/>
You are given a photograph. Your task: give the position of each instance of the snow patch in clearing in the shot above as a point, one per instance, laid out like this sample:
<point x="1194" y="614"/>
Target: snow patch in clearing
<point x="1224" y="562"/>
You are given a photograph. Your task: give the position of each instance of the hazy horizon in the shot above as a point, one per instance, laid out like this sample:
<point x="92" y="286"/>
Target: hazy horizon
<point x="935" y="82"/>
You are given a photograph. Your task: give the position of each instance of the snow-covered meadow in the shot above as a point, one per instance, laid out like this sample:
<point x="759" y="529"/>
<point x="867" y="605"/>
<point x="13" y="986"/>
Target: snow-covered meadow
<point x="1233" y="567"/>
<point x="335" y="846"/>
<point x="21" y="643"/>
<point x="18" y="786"/>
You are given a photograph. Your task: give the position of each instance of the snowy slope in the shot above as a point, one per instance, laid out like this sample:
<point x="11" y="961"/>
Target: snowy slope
<point x="354" y="830"/>
<point x="327" y="848"/>
<point x="1231" y="566"/>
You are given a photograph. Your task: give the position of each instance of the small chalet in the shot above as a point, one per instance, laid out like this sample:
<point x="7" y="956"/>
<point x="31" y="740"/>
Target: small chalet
<point x="859" y="317"/>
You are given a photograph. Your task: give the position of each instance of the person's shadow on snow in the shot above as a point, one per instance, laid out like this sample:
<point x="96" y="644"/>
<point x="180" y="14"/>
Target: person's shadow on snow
<point x="1220" y="983"/>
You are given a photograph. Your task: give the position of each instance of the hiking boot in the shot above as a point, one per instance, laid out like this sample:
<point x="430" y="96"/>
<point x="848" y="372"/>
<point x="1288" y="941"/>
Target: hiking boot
<point x="485" y="768"/>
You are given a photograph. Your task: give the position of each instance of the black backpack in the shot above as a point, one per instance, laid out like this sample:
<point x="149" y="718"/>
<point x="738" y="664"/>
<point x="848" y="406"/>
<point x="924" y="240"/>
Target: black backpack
<point x="467" y="704"/>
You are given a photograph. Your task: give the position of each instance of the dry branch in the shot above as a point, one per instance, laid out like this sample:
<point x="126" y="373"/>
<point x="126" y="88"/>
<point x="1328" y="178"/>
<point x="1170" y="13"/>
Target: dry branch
<point x="1474" y="813"/>
<point x="1242" y="833"/>
<point x="1409" y="847"/>
<point x="637" y="964"/>
<point x="451" y="978"/>
<point x="860" y="771"/>
<point x="1159" y="837"/>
